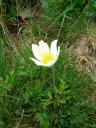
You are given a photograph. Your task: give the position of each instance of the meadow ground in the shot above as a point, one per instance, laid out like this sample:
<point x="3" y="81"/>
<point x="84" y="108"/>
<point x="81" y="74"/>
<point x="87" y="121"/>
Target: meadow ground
<point x="61" y="96"/>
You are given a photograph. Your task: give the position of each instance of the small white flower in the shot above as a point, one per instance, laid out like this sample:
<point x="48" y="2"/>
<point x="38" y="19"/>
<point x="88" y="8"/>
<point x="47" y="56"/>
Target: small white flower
<point x="45" y="56"/>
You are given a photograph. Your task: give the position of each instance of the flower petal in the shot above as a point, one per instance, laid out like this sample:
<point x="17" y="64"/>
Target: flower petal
<point x="51" y="63"/>
<point x="36" y="51"/>
<point x="53" y="48"/>
<point x="37" y="62"/>
<point x="58" y="52"/>
<point x="44" y="48"/>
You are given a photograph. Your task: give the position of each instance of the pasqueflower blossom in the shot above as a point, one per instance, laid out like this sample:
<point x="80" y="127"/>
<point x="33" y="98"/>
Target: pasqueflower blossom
<point x="45" y="56"/>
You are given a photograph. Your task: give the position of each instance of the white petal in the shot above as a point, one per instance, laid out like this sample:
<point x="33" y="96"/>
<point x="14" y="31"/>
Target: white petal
<point x="57" y="54"/>
<point x="58" y="51"/>
<point x="36" y="51"/>
<point x="44" y="48"/>
<point x="37" y="62"/>
<point x="51" y="63"/>
<point x="53" y="48"/>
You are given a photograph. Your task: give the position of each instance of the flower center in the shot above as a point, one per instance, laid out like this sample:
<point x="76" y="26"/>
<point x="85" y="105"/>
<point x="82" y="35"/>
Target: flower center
<point x="47" y="58"/>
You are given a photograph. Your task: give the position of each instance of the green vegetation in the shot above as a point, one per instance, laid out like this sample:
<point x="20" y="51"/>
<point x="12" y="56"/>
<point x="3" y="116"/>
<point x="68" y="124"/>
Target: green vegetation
<point x="26" y="94"/>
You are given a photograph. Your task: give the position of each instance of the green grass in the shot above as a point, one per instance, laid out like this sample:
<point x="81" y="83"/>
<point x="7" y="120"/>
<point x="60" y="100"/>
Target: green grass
<point x="26" y="93"/>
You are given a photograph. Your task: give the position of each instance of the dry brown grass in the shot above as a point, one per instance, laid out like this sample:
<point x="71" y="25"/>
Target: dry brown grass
<point x="84" y="49"/>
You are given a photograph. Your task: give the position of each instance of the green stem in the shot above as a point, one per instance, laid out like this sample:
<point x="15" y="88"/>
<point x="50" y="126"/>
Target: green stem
<point x="54" y="82"/>
<point x="53" y="73"/>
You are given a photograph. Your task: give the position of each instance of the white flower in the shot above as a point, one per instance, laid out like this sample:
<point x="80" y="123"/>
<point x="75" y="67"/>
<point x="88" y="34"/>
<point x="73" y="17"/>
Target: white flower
<point x="45" y="56"/>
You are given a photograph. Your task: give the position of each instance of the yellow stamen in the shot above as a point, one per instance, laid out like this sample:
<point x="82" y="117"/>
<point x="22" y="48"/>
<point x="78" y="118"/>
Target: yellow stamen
<point x="47" y="58"/>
